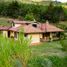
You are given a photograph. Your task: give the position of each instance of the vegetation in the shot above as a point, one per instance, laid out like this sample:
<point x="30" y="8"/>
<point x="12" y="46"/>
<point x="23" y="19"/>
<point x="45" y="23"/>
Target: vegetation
<point x="51" y="61"/>
<point x="48" y="54"/>
<point x="19" y="54"/>
<point x="29" y="17"/>
<point x="14" y="9"/>
<point x="64" y="44"/>
<point x="49" y="49"/>
<point x="4" y="22"/>
<point x="14" y="53"/>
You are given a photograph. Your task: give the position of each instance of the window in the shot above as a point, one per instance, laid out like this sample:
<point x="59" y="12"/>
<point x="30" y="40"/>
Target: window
<point x="25" y="35"/>
<point x="34" y="25"/>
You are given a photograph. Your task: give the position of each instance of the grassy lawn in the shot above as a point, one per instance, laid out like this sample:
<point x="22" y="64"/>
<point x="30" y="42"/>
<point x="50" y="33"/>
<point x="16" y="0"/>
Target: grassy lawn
<point x="4" y="22"/>
<point x="48" y="49"/>
<point x="48" y="54"/>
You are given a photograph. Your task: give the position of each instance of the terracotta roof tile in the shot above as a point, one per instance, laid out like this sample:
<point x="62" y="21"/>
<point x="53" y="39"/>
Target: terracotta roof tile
<point x="15" y="29"/>
<point x="4" y="28"/>
<point x="27" y="29"/>
<point x="46" y="27"/>
<point x="41" y="28"/>
<point x="31" y="29"/>
<point x="19" y="21"/>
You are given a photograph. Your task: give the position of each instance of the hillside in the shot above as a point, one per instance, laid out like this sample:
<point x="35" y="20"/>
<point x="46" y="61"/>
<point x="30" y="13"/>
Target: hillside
<point x="40" y="2"/>
<point x="4" y="22"/>
<point x="35" y="1"/>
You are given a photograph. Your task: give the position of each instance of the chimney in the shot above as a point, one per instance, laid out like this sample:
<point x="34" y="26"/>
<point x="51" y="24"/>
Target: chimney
<point x="47" y="22"/>
<point x="46" y="25"/>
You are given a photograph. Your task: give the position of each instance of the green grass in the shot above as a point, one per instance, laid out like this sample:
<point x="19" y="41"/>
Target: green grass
<point x="48" y="49"/>
<point x="18" y="53"/>
<point x="48" y="54"/>
<point x="4" y="22"/>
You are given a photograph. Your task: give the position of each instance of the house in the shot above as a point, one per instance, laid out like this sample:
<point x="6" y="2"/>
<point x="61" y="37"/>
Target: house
<point x="39" y="32"/>
<point x="29" y="31"/>
<point x="50" y="32"/>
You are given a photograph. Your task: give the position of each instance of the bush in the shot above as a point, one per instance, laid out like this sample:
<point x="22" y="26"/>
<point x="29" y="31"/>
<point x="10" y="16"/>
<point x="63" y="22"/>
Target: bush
<point x="29" y="17"/>
<point x="14" y="53"/>
<point x="64" y="44"/>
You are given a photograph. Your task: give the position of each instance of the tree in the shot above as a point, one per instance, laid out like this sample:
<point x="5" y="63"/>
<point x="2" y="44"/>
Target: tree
<point x="54" y="13"/>
<point x="29" y="17"/>
<point x="48" y="13"/>
<point x="13" y="9"/>
<point x="58" y="13"/>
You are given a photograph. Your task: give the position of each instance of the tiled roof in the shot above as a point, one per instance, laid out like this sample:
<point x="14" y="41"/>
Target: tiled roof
<point x="15" y="29"/>
<point x="46" y="27"/>
<point x="4" y="28"/>
<point x="19" y="21"/>
<point x="31" y="29"/>
<point x="27" y="29"/>
<point x="41" y="28"/>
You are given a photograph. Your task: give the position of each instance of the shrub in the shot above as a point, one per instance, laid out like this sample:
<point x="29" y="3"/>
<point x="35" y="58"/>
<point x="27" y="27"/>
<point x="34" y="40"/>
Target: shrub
<point x="29" y="17"/>
<point x="14" y="53"/>
<point x="64" y="44"/>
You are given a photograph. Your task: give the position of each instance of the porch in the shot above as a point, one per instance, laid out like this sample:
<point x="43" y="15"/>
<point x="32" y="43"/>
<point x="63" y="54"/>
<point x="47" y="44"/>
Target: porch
<point x="50" y="36"/>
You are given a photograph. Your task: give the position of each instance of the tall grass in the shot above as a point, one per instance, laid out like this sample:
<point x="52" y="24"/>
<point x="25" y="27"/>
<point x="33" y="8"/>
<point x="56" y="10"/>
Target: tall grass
<point x="14" y="53"/>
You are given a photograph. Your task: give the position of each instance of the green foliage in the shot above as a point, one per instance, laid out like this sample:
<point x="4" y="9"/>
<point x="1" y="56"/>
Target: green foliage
<point x="29" y="17"/>
<point x="13" y="9"/>
<point x="58" y="62"/>
<point x="17" y="53"/>
<point x="14" y="53"/>
<point x="53" y="13"/>
<point x="40" y="62"/>
<point x="65" y="13"/>
<point x="50" y="61"/>
<point x="64" y="44"/>
<point x="4" y="22"/>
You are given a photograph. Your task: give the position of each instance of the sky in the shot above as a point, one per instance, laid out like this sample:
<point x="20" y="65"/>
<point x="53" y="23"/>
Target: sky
<point x="62" y="0"/>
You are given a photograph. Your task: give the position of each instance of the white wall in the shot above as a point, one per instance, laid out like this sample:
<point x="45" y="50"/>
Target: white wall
<point x="17" y="25"/>
<point x="5" y="33"/>
<point x="35" y="38"/>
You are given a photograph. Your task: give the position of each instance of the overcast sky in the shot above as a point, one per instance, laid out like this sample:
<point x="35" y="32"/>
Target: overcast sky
<point x="62" y="0"/>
